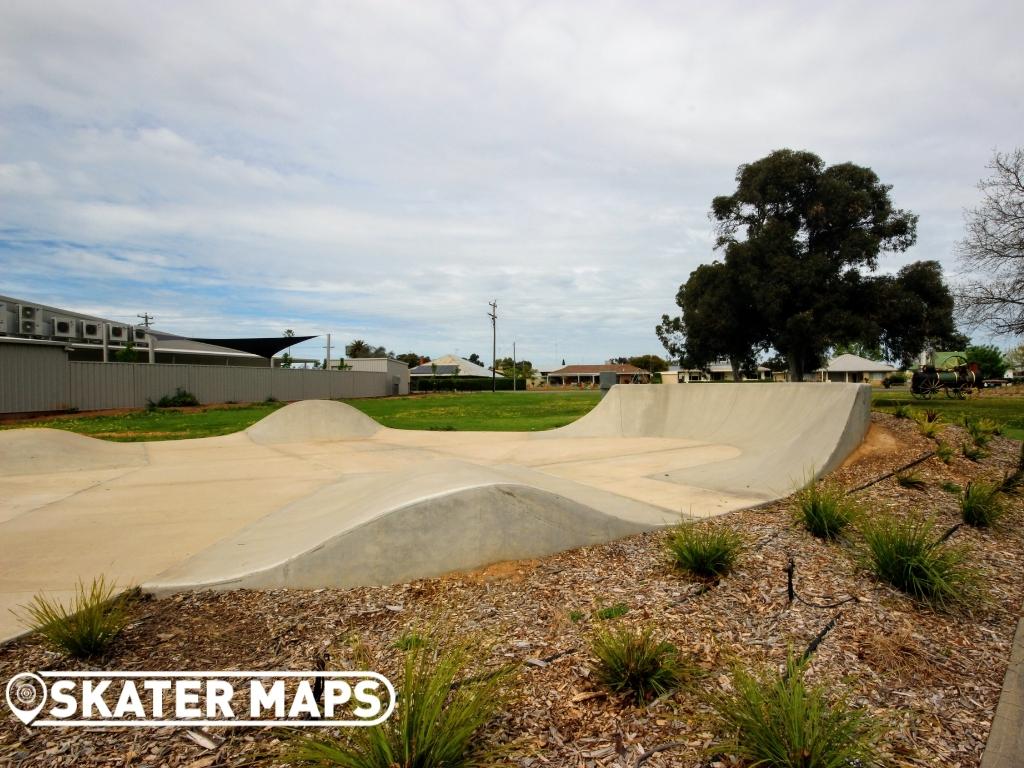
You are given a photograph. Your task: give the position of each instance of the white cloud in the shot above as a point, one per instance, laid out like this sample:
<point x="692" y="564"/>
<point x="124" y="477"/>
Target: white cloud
<point x="386" y="168"/>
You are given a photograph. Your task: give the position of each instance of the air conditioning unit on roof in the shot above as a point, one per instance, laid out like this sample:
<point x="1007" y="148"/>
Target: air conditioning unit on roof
<point x="65" y="327"/>
<point x="118" y="334"/>
<point x="92" y="330"/>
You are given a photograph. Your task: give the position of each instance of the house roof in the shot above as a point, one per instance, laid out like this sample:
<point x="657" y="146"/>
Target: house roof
<point x="856" y="364"/>
<point x="573" y="370"/>
<point x="451" y="363"/>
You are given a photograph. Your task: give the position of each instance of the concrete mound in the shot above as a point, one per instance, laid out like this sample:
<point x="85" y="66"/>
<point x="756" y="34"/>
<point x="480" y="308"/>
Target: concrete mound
<point x="313" y="421"/>
<point x="439" y="518"/>
<point x="44" y="451"/>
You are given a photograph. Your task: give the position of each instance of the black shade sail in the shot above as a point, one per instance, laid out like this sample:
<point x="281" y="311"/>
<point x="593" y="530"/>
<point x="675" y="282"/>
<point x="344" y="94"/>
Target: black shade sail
<point x="262" y="347"/>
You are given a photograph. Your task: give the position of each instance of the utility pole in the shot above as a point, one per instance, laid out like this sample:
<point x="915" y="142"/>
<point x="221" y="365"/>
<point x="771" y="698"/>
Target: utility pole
<point x="147" y="319"/>
<point x="493" y="314"/>
<point x="328" y="366"/>
<point x="513" y="366"/>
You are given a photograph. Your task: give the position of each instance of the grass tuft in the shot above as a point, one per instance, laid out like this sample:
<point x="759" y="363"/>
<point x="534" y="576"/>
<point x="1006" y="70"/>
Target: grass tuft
<point x="930" y="428"/>
<point x="633" y="661"/>
<point x="611" y="612"/>
<point x="86" y="628"/>
<point x="945" y="453"/>
<point x="707" y="552"/>
<point x="408" y="641"/>
<point x="444" y="704"/>
<point x="981" y="504"/>
<point x="911" y="479"/>
<point x="902" y="411"/>
<point x="907" y="554"/>
<point x="825" y="510"/>
<point x="777" y="720"/>
<point x="950" y="487"/>
<point x="972" y="452"/>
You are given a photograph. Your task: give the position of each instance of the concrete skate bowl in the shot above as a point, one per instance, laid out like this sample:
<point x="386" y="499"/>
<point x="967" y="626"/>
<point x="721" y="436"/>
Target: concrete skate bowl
<point x="319" y="495"/>
<point x="644" y="457"/>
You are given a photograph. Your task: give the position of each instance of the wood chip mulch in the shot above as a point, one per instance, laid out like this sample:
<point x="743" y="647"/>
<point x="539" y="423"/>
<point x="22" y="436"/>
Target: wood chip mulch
<point x="933" y="678"/>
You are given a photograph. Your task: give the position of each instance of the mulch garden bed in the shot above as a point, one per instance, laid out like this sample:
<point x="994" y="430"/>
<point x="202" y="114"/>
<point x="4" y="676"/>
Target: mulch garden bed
<point x="932" y="677"/>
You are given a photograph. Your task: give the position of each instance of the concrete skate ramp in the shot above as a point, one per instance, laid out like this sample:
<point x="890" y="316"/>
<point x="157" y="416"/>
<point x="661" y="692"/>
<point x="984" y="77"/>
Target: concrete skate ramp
<point x="440" y="517"/>
<point x="312" y="421"/>
<point x="43" y="451"/>
<point x="317" y="494"/>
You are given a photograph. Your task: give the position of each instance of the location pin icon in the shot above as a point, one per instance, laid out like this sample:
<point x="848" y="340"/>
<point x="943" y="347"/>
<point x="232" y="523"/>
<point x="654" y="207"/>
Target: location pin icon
<point x="26" y="696"/>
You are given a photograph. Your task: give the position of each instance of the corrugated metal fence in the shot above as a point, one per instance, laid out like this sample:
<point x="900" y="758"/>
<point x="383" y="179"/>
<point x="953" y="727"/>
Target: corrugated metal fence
<point x="42" y="379"/>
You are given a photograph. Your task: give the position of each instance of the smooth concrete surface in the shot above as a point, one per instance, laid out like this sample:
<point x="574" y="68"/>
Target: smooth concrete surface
<point x="1005" y="747"/>
<point x="317" y="494"/>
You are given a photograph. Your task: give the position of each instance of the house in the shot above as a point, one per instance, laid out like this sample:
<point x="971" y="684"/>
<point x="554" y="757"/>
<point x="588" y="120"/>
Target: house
<point x="717" y="371"/>
<point x="854" y="369"/>
<point x="451" y="365"/>
<point x="590" y="375"/>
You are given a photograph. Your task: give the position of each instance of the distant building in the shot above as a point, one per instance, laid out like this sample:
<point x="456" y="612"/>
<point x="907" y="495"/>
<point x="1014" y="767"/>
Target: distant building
<point x="590" y="375"/>
<point x="853" y="369"/>
<point x="451" y="365"/>
<point x="717" y="371"/>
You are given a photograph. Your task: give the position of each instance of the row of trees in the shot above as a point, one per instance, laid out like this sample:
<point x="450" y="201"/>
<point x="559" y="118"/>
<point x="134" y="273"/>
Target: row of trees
<point x="799" y="241"/>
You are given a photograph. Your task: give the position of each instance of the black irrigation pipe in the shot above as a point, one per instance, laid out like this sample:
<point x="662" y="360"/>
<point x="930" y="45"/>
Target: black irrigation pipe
<point x="792" y="595"/>
<point x="813" y="645"/>
<point x="896" y="471"/>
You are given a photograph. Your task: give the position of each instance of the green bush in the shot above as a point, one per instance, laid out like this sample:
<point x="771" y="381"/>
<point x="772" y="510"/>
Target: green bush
<point x="632" y="661"/>
<point x="824" y="510"/>
<point x="708" y="552"/>
<point x="180" y="399"/>
<point x="444" y="703"/>
<point x="777" y="720"/>
<point x="86" y="628"/>
<point x="908" y="554"/>
<point x="981" y="504"/>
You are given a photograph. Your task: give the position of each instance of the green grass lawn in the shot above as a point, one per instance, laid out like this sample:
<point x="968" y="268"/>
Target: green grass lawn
<point x="1008" y="411"/>
<point x="475" y="411"/>
<point x="500" y="411"/>
<point x="163" y="424"/>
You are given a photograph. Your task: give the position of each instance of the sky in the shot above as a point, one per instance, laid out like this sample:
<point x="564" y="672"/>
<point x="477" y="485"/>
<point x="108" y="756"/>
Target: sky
<point x="382" y="170"/>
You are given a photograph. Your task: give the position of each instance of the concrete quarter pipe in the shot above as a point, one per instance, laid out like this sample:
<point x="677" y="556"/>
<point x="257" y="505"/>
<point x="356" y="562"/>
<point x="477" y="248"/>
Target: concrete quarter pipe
<point x="317" y="494"/>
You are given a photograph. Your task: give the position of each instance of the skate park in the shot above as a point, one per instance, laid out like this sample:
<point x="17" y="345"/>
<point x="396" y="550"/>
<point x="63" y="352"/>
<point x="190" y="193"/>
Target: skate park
<point x="319" y="495"/>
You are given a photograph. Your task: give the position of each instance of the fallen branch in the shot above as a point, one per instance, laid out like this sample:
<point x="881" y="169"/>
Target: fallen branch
<point x="655" y="750"/>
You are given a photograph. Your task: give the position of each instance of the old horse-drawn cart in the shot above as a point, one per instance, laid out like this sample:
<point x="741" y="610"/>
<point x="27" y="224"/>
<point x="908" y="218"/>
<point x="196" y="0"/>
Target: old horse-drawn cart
<point x="956" y="379"/>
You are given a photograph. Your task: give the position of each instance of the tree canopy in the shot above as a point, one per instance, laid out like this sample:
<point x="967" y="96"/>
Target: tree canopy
<point x="359" y="348"/>
<point x="992" y="251"/>
<point x="799" y="241"/>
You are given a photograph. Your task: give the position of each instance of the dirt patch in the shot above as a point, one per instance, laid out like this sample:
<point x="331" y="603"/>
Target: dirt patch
<point x="878" y="444"/>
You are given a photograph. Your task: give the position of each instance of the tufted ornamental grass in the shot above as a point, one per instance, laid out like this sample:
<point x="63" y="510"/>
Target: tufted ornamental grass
<point x="706" y="552"/>
<point x="908" y="554"/>
<point x="777" y="720"/>
<point x="634" y="662"/>
<point x="981" y="504"/>
<point x="824" y="510"/>
<point x="445" y="702"/>
<point x="930" y="428"/>
<point x="85" y="628"/>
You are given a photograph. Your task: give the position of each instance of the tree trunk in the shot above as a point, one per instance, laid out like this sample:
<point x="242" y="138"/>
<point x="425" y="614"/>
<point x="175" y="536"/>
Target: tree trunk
<point x="735" y="369"/>
<point x="796" y="367"/>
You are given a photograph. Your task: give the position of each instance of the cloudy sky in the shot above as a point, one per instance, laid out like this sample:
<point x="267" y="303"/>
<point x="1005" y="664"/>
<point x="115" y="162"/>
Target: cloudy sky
<point x="381" y="170"/>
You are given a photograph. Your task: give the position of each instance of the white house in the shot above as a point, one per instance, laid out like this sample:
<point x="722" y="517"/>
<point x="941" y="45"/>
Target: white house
<point x="854" y="369"/>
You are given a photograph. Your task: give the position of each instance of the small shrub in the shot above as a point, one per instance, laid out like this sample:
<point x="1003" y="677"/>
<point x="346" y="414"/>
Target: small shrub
<point x="930" y="429"/>
<point x="632" y="661"/>
<point x="408" y="641"/>
<point x="981" y="504"/>
<point x="907" y="554"/>
<point x="706" y="552"/>
<point x="902" y="411"/>
<point x="776" y="720"/>
<point x="86" y="628"/>
<point x="180" y="399"/>
<point x="576" y="616"/>
<point x="981" y="430"/>
<point x="910" y="479"/>
<point x="825" y="510"/>
<point x="611" y="612"/>
<point x="988" y="426"/>
<point x="444" y="704"/>
<point x="930" y="415"/>
<point x="945" y="453"/>
<point x="972" y="452"/>
<point x="949" y="487"/>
